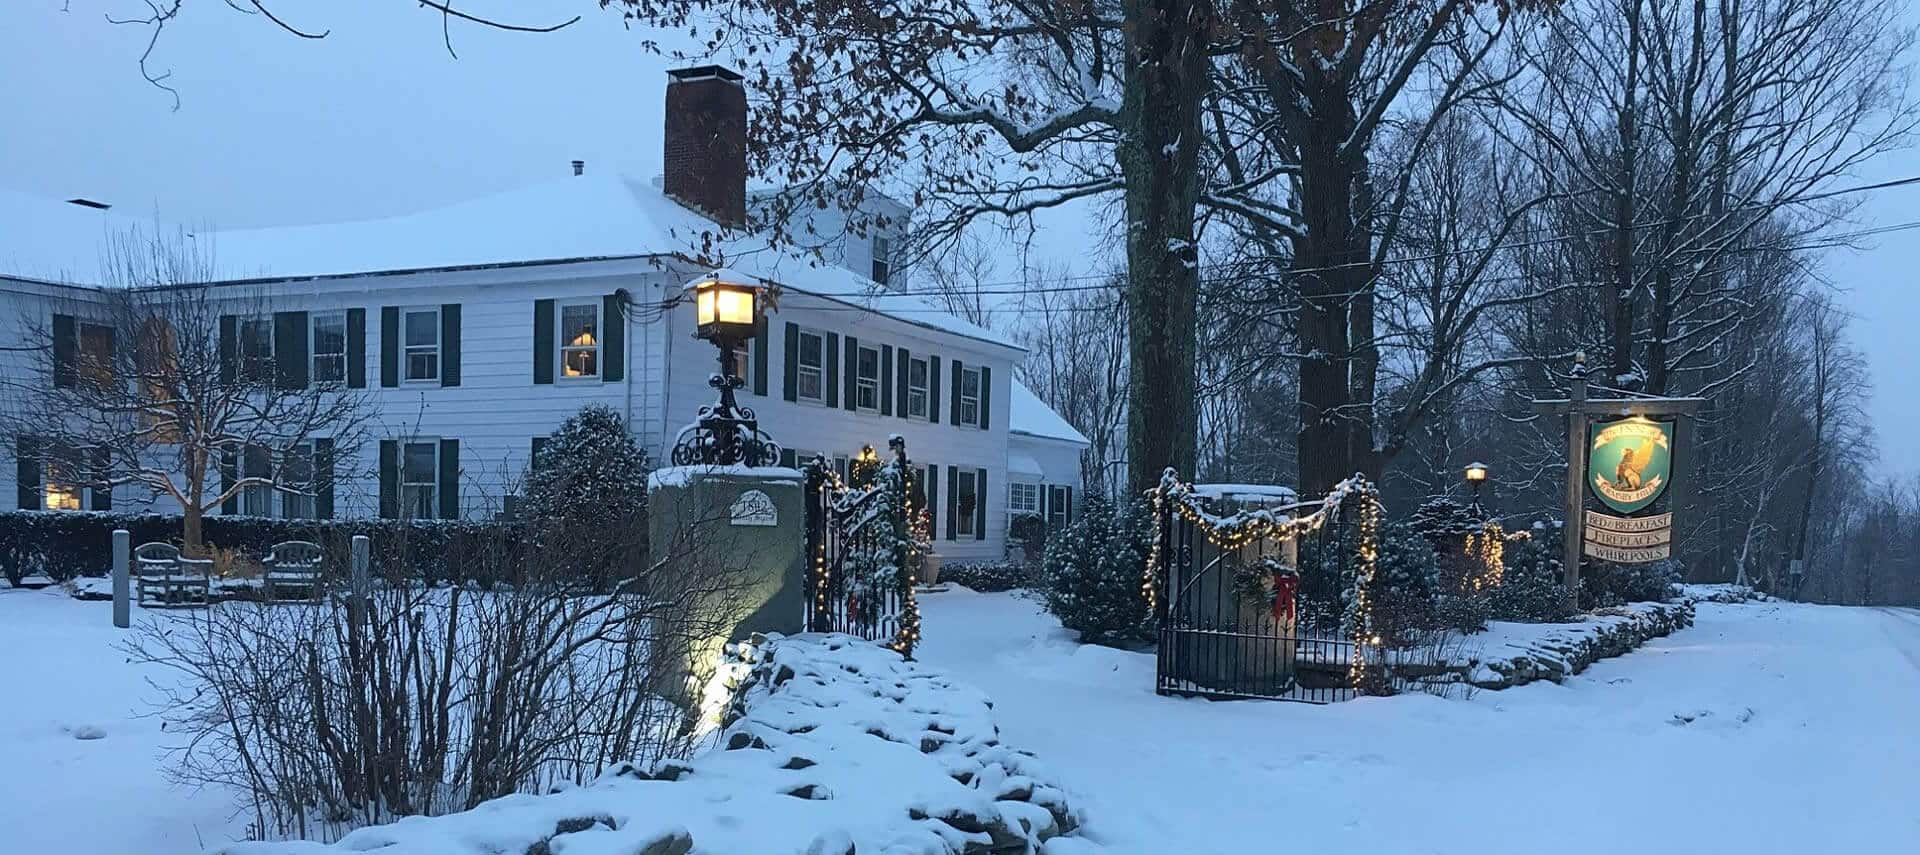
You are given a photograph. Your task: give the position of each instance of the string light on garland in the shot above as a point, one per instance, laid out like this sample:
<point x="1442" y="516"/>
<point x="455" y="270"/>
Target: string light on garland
<point x="1489" y="547"/>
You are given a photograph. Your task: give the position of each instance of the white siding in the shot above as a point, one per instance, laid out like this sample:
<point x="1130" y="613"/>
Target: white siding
<point x="497" y="409"/>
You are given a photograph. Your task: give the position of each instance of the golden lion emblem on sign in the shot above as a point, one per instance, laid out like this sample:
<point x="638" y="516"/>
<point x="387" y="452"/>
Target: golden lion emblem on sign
<point x="1632" y="462"/>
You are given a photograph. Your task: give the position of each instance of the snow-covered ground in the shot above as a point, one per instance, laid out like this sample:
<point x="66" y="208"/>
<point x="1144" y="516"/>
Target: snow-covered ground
<point x="1764" y="728"/>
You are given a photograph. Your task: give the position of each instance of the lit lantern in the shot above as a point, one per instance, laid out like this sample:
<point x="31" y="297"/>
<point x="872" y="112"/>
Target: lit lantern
<point x="1476" y="473"/>
<point x="727" y="306"/>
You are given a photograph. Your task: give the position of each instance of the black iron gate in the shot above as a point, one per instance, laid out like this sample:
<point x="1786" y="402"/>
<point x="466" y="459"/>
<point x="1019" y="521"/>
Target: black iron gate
<point x="1250" y="599"/>
<point x="860" y="548"/>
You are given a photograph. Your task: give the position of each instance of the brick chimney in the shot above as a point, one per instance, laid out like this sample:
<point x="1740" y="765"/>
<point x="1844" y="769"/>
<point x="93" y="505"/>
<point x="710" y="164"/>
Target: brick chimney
<point x="706" y="142"/>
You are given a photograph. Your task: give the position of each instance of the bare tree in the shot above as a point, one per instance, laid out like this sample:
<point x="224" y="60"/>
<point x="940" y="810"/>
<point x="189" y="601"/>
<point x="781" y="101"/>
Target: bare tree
<point x="1077" y="363"/>
<point x="167" y="384"/>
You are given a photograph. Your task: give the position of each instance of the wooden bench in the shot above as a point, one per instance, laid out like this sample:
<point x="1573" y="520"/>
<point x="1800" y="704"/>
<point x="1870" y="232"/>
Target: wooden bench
<point x="164" y="578"/>
<point x="295" y="564"/>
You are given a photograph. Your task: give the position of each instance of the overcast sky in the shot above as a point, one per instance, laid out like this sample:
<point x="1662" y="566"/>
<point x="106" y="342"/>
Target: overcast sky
<point x="377" y="119"/>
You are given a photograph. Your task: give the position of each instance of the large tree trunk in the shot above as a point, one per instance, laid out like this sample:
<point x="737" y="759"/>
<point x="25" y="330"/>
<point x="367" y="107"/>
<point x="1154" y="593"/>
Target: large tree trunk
<point x="1159" y="159"/>
<point x="1330" y="255"/>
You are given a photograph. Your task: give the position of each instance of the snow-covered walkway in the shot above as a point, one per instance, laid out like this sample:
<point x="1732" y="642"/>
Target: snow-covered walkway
<point x="1765" y="728"/>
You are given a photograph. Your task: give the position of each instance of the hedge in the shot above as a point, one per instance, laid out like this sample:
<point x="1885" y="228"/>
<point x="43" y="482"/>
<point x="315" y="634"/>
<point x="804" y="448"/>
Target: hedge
<point x="63" y="545"/>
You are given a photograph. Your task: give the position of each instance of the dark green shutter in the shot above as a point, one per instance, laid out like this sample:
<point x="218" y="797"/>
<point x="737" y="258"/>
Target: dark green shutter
<point x="790" y="373"/>
<point x="357" y="348"/>
<point x="759" y="359"/>
<point x="543" y="352"/>
<point x="290" y="350"/>
<point x="26" y="473"/>
<point x="613" y="354"/>
<point x="986" y="397"/>
<point x="539" y="445"/>
<point x="1045" y="499"/>
<point x="980" y="506"/>
<point x="323" y="478"/>
<point x="390" y="478"/>
<point x="853" y="373"/>
<point x="885" y="393"/>
<point x="102" y="470"/>
<point x="789" y="459"/>
<point x="450" y="344"/>
<point x="390" y="346"/>
<point x="1067" y="512"/>
<point x="933" y="390"/>
<point x="229" y="476"/>
<point x="66" y="347"/>
<point x="229" y="348"/>
<point x="449" y="479"/>
<point x="901" y="377"/>
<point x="933" y="501"/>
<point x="831" y="361"/>
<point x="954" y="414"/>
<point x="953" y="502"/>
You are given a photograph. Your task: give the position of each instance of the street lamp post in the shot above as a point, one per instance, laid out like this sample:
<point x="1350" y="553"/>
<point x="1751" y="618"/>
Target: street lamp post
<point x="728" y="310"/>
<point x="1476" y="476"/>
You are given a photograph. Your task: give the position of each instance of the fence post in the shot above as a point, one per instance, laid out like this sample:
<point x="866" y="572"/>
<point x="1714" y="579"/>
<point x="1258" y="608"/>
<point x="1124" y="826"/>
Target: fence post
<point x="122" y="557"/>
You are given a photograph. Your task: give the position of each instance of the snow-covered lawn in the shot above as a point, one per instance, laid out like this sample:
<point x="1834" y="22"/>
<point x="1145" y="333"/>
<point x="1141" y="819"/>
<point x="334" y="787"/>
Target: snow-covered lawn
<point x="1764" y="728"/>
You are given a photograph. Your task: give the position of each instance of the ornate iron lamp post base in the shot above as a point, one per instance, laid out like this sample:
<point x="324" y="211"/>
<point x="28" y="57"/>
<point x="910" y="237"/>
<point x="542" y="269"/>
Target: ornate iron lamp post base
<point x="725" y="433"/>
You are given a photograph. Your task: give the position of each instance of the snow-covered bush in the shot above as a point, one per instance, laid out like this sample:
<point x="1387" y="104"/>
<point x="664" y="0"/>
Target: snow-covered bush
<point x="988" y="576"/>
<point x="1532" y="589"/>
<point x="1091" y="575"/>
<point x="1604" y="583"/>
<point x="588" y="489"/>
<point x="405" y="699"/>
<point x="1405" y="585"/>
<point x="1030" y="532"/>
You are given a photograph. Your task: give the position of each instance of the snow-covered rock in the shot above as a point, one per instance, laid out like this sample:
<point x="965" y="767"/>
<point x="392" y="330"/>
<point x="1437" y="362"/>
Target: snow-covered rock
<point x="1514" y="654"/>
<point x="832" y="745"/>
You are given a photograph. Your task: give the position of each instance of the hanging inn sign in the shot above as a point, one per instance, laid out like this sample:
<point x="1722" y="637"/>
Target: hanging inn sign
<point x="1621" y="456"/>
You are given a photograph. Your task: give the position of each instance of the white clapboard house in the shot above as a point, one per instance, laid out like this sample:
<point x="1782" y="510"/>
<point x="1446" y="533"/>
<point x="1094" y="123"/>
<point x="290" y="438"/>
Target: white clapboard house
<point x="479" y="327"/>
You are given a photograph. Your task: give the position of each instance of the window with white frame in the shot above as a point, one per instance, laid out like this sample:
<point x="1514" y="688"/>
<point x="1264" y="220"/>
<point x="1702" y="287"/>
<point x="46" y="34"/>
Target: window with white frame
<point x="257" y="500"/>
<point x="1023" y="498"/>
<point x="842" y="465"/>
<point x="743" y="362"/>
<point x="297" y="474"/>
<point x="918" y="379"/>
<point x="1059" y="503"/>
<point x="580" y="339"/>
<point x="812" y="356"/>
<point x="61" y="473"/>
<point x="970" y="392"/>
<point x="256" y="348"/>
<point x="420" y="479"/>
<point x="882" y="259"/>
<point x="867" y="378"/>
<point x="964" y="508"/>
<point x="329" y="347"/>
<point x="422" y="338"/>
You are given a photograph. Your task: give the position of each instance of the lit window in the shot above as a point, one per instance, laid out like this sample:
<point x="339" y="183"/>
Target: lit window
<point x="61" y="488"/>
<point x="867" y="382"/>
<point x="256" y="349"/>
<point x="970" y="396"/>
<point x="329" y="347"/>
<point x="96" y="355"/>
<point x="812" y="352"/>
<point x="917" y="381"/>
<point x="1023" y="498"/>
<point x="419" y="479"/>
<point x="422" y="338"/>
<point x="580" y="340"/>
<point x="965" y="506"/>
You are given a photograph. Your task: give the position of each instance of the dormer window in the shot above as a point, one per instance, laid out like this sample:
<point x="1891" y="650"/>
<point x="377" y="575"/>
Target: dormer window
<point x="882" y="259"/>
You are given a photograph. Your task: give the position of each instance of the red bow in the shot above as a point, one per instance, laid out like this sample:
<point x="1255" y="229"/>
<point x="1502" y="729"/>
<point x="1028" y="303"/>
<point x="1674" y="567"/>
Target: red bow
<point x="1285" y="585"/>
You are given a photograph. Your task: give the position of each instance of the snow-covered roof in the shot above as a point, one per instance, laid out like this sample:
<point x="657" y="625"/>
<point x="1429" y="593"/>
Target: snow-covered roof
<point x="573" y="218"/>
<point x="1032" y="417"/>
